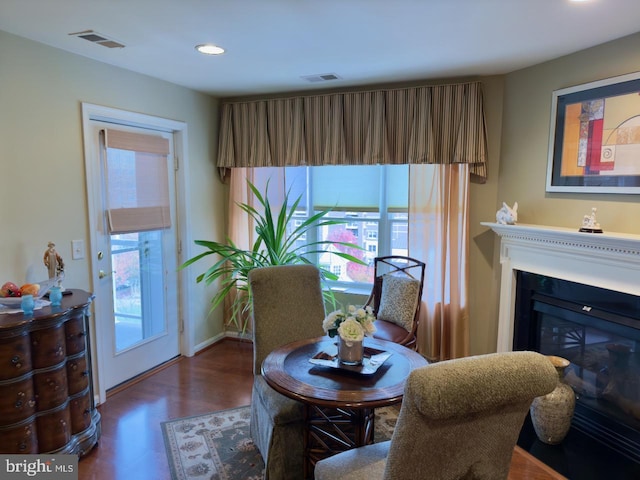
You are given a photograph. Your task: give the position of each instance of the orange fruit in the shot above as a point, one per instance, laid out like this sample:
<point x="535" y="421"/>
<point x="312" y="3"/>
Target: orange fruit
<point x="30" y="289"/>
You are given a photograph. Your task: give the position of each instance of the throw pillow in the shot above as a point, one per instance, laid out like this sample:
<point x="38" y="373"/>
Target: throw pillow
<point x="399" y="300"/>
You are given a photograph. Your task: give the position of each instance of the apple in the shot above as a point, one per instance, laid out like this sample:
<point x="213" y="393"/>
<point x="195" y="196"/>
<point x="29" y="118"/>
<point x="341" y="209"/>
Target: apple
<point x="10" y="289"/>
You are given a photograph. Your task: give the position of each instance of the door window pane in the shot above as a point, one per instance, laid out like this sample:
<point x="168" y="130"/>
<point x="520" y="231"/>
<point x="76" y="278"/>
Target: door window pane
<point x="137" y="287"/>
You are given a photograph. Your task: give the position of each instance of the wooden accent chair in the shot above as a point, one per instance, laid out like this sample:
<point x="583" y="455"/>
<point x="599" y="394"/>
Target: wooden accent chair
<point x="460" y="419"/>
<point x="396" y="297"/>
<point x="287" y="306"/>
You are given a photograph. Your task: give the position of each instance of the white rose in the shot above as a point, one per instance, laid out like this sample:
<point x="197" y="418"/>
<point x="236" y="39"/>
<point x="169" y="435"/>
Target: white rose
<point x="351" y="330"/>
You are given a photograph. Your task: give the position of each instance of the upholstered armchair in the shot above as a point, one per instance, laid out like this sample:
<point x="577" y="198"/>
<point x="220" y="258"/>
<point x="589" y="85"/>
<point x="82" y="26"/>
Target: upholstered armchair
<point x="460" y="419"/>
<point x="396" y="297"/>
<point x="287" y="306"/>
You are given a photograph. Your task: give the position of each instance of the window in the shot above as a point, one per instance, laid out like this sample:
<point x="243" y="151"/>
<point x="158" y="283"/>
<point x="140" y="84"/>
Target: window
<point x="372" y="200"/>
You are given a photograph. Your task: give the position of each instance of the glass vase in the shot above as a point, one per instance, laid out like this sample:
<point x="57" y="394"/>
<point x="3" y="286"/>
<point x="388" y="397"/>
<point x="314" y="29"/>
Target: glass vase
<point x="350" y="352"/>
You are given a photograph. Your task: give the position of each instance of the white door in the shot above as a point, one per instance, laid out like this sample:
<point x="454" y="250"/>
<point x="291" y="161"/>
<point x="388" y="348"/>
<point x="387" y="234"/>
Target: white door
<point x="135" y="268"/>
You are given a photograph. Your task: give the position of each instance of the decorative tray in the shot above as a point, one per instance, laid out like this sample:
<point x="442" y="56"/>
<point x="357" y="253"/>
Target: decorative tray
<point x="14" y="302"/>
<point x="373" y="359"/>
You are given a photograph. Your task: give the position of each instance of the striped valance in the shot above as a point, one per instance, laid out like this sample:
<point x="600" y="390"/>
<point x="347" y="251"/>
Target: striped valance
<point x="429" y="124"/>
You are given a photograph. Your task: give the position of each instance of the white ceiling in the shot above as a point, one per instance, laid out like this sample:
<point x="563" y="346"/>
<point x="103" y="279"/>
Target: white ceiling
<point x="270" y="44"/>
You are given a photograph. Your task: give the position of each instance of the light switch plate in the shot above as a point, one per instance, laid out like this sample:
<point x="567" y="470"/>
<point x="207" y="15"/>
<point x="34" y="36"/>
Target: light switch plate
<point x="77" y="249"/>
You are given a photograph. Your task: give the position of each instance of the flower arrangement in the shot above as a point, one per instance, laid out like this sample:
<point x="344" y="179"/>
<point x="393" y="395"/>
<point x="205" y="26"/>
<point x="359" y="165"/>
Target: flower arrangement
<point x="352" y="325"/>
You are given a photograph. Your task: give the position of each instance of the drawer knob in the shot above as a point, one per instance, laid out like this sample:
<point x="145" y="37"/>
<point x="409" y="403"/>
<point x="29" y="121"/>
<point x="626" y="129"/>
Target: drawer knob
<point x="19" y="401"/>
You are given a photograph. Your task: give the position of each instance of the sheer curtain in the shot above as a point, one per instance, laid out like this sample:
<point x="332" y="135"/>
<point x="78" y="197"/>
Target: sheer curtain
<point x="439" y="235"/>
<point x="240" y="226"/>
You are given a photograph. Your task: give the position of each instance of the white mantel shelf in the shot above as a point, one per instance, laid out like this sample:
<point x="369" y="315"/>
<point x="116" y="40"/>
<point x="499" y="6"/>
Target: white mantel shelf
<point x="624" y="243"/>
<point x="606" y="260"/>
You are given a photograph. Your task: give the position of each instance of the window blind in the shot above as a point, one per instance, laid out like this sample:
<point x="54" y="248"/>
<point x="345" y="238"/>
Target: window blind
<point x="137" y="181"/>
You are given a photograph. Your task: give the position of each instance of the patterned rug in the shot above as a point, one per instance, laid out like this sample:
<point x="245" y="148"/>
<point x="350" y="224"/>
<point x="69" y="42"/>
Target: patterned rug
<point x="216" y="446"/>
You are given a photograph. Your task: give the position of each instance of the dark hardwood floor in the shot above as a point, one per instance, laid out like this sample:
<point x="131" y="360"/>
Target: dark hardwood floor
<point x="131" y="446"/>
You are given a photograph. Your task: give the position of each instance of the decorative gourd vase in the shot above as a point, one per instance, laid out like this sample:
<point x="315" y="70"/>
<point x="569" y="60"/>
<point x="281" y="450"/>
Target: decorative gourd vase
<point x="27" y="304"/>
<point x="350" y="352"/>
<point x="551" y="414"/>
<point x="55" y="296"/>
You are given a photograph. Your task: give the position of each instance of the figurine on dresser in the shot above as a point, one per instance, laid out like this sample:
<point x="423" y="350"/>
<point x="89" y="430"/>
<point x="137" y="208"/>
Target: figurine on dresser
<point x="54" y="263"/>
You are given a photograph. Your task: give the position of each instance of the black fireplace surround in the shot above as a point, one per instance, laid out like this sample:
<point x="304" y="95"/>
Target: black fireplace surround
<point x="598" y="330"/>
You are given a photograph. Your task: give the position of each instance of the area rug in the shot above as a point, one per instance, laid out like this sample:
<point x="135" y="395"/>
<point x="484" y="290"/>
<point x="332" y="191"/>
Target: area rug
<point x="216" y="446"/>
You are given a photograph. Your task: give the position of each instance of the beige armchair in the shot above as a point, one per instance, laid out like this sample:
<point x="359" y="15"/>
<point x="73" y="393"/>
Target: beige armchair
<point x="287" y="306"/>
<point x="459" y="419"/>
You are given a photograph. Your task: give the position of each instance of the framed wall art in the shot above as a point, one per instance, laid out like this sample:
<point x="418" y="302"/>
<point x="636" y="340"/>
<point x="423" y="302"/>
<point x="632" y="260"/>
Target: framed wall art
<point x="594" y="142"/>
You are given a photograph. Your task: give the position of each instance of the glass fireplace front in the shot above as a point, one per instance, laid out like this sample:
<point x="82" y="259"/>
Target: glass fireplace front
<point x="598" y="330"/>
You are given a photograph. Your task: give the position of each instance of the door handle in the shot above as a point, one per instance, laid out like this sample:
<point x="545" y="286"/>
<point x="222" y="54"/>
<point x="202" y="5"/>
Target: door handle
<point x="102" y="274"/>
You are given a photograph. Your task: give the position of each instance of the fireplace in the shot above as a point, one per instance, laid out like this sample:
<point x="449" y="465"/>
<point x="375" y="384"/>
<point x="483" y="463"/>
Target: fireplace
<point x="577" y="295"/>
<point x="598" y="330"/>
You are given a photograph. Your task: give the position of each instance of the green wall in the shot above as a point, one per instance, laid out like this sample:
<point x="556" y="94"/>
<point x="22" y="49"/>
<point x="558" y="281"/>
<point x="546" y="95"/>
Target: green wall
<point x="522" y="171"/>
<point x="42" y="181"/>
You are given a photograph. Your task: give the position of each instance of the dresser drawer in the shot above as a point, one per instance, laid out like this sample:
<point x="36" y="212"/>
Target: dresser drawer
<point x="17" y="402"/>
<point x="77" y="374"/>
<point x="48" y="346"/>
<point x="80" y="412"/>
<point x="51" y="388"/>
<point x="54" y="430"/>
<point x="15" y="356"/>
<point x="21" y="439"/>
<point x="75" y="335"/>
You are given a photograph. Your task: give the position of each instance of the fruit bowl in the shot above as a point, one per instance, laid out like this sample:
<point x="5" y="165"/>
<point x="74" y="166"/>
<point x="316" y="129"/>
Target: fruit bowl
<point x="45" y="286"/>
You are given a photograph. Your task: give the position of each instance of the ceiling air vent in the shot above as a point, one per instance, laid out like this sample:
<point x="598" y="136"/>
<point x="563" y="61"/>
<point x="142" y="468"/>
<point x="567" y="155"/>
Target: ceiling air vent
<point x="325" y="77"/>
<point x="98" y="38"/>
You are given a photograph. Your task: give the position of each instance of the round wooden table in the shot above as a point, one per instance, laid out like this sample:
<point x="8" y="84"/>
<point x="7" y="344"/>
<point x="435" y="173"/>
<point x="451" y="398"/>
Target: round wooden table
<point x="339" y="402"/>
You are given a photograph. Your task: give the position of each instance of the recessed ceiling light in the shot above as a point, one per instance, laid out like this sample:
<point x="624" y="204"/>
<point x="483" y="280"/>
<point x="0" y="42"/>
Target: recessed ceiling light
<point x="210" y="49"/>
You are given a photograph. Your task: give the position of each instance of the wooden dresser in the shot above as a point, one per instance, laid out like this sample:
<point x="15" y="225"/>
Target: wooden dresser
<point x="46" y="385"/>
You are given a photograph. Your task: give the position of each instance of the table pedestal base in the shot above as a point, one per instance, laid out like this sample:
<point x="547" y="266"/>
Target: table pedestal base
<point x="333" y="430"/>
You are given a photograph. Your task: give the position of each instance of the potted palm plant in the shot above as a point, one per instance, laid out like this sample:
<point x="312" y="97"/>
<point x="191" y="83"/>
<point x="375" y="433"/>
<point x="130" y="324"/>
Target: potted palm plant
<point x="274" y="245"/>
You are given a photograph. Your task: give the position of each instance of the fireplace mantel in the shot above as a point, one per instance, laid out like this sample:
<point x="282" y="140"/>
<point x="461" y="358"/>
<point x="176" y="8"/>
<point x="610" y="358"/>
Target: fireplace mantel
<point x="605" y="260"/>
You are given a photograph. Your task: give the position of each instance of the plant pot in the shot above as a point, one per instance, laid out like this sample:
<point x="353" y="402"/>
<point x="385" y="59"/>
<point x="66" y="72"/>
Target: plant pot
<point x="551" y="414"/>
<point x="350" y="352"/>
